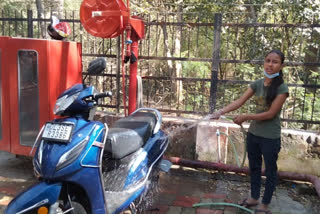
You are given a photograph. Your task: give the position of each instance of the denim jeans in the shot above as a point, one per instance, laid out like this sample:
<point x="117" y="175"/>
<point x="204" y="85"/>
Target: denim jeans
<point x="257" y="148"/>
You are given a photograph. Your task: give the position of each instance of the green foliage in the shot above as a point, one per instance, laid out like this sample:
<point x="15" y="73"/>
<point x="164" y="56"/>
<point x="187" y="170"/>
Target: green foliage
<point x="196" y="69"/>
<point x="16" y="5"/>
<point x="246" y="72"/>
<point x="196" y="92"/>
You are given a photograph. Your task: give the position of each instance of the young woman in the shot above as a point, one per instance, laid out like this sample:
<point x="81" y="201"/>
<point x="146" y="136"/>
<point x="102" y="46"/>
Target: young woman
<point x="263" y="139"/>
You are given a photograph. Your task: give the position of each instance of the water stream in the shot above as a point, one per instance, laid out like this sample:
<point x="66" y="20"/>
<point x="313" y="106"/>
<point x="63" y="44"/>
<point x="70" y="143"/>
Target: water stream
<point x="115" y="172"/>
<point x="172" y="131"/>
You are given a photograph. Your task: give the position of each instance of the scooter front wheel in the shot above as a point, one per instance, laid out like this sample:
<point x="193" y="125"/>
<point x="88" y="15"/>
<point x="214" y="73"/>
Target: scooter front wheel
<point x="126" y="212"/>
<point x="76" y="208"/>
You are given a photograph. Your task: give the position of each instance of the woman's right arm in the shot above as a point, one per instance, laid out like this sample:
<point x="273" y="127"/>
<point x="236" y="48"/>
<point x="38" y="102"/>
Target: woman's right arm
<point x="237" y="103"/>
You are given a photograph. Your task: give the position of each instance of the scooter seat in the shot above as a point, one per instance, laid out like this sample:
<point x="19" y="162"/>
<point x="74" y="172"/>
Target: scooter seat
<point x="129" y="134"/>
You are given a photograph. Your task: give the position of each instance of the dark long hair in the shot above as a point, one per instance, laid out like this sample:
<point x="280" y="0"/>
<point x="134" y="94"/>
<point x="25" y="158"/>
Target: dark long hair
<point x="276" y="82"/>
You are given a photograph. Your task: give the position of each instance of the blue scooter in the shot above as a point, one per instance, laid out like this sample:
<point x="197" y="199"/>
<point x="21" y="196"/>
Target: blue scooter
<point x="86" y="168"/>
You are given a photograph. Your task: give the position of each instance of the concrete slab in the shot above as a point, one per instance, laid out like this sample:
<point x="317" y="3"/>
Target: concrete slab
<point x="211" y="143"/>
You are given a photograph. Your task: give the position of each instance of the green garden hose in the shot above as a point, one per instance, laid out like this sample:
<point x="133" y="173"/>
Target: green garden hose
<point x="223" y="204"/>
<point x="233" y="146"/>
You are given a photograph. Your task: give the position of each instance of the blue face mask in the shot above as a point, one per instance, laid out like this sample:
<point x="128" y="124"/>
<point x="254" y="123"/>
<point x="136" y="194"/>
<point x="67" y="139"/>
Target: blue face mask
<point x="271" y="76"/>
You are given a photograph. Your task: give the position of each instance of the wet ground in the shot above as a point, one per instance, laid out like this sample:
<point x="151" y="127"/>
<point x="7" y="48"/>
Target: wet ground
<point x="184" y="187"/>
<point x="179" y="190"/>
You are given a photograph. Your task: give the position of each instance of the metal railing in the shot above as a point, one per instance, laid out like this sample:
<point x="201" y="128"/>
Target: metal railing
<point x="192" y="67"/>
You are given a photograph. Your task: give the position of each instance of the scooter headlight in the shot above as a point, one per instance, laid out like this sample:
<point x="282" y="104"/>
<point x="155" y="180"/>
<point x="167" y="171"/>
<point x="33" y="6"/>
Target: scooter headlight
<point x="39" y="157"/>
<point x="72" y="154"/>
<point x="64" y="102"/>
<point x="38" y="160"/>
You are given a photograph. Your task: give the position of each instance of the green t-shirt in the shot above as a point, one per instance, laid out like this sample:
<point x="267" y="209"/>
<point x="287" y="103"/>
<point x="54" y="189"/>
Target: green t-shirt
<point x="265" y="128"/>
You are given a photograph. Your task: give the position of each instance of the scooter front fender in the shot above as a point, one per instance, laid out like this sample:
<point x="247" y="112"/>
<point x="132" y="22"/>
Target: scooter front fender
<point x="35" y="196"/>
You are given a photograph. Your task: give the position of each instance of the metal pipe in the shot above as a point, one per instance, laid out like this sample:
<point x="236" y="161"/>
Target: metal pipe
<point x="219" y="149"/>
<point x="230" y="168"/>
<point x="133" y="74"/>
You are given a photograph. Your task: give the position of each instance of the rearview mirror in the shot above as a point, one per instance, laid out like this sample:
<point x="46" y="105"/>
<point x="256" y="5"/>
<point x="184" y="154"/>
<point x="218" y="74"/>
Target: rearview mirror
<point x="97" y="66"/>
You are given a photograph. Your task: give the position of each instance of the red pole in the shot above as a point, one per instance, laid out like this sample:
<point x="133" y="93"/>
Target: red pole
<point x="133" y="73"/>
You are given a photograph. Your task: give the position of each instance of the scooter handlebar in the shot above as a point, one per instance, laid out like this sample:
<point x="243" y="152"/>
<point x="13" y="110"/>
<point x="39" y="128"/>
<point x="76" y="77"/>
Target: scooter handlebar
<point x="102" y="95"/>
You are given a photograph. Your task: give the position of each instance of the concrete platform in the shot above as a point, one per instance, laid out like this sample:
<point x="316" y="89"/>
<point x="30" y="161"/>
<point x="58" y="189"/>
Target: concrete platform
<point x="179" y="190"/>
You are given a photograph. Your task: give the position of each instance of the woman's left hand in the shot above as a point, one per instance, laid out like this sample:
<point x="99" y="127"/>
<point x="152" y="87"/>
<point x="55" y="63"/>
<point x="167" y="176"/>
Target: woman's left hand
<point x="239" y="119"/>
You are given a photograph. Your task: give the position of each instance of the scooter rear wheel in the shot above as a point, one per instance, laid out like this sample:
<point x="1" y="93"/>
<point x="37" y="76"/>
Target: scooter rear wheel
<point x="145" y="201"/>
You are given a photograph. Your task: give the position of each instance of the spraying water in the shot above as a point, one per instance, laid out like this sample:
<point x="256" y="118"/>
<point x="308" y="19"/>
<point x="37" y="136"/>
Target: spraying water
<point x="114" y="177"/>
<point x="114" y="171"/>
<point x="173" y="131"/>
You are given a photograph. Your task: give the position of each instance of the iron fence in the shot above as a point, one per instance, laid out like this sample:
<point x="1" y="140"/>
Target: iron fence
<point x="191" y="65"/>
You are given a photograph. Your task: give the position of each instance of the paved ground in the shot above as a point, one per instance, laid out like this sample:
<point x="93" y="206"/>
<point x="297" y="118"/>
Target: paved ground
<point x="183" y="188"/>
<point x="16" y="174"/>
<point x="179" y="190"/>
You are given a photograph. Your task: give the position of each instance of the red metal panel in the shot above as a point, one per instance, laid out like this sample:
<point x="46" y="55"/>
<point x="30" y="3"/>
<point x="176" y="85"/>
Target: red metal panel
<point x="137" y="25"/>
<point x="64" y="68"/>
<point x="59" y="67"/>
<point x="39" y="46"/>
<point x="5" y="116"/>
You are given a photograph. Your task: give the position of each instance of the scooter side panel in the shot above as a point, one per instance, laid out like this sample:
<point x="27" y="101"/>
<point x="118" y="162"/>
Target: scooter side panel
<point x="84" y="170"/>
<point x="92" y="156"/>
<point x="90" y="180"/>
<point x="89" y="177"/>
<point x="151" y="152"/>
<point x="77" y="164"/>
<point x="52" y="152"/>
<point x="40" y="193"/>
